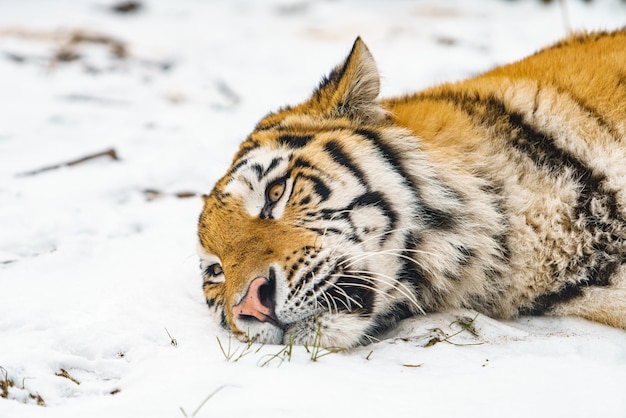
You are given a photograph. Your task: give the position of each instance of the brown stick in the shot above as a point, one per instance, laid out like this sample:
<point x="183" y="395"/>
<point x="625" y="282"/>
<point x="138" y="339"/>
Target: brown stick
<point x="108" y="153"/>
<point x="152" y="194"/>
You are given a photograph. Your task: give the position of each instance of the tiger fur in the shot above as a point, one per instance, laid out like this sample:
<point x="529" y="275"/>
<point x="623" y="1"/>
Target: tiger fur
<point x="504" y="193"/>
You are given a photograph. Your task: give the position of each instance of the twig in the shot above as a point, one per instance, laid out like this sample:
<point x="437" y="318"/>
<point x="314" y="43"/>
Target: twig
<point x="110" y="153"/>
<point x="67" y="52"/>
<point x="152" y="194"/>
<point x="127" y="7"/>
<point x="202" y="404"/>
<point x="65" y="374"/>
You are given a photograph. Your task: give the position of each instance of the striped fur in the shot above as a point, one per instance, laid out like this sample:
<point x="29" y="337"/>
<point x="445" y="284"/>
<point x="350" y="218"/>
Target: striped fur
<point x="505" y="193"/>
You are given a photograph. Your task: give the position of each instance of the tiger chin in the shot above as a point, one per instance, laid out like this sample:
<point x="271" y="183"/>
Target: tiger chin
<point x="504" y="194"/>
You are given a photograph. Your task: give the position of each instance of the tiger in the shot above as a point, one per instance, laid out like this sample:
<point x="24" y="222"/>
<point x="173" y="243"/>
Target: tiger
<point x="503" y="194"/>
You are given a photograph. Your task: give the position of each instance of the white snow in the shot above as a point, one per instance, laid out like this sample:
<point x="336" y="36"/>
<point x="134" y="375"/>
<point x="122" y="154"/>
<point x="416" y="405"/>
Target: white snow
<point x="94" y="275"/>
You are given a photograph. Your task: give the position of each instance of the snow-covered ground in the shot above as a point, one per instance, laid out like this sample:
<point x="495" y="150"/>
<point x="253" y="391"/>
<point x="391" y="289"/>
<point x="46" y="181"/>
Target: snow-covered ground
<point x="101" y="309"/>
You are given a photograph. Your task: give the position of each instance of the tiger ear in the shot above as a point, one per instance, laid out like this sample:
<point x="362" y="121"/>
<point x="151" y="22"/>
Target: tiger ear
<point x="351" y="87"/>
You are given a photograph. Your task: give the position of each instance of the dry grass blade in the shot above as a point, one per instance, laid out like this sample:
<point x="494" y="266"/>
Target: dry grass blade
<point x="467" y="325"/>
<point x="173" y="341"/>
<point x="316" y="350"/>
<point x="202" y="403"/>
<point x="5" y="384"/>
<point x="242" y="350"/>
<point x="285" y="353"/>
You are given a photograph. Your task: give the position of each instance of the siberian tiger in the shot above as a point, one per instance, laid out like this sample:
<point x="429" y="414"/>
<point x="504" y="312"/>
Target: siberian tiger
<point x="504" y="193"/>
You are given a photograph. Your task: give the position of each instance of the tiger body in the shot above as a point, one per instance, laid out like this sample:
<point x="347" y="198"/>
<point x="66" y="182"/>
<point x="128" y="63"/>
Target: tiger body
<point x="505" y="193"/>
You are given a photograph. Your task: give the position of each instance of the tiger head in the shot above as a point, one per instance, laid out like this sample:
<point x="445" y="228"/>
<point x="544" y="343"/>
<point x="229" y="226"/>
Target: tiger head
<point x="292" y="239"/>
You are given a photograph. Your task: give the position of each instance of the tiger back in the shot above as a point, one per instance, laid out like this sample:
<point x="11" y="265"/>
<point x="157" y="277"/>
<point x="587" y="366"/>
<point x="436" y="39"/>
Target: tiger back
<point x="504" y="193"/>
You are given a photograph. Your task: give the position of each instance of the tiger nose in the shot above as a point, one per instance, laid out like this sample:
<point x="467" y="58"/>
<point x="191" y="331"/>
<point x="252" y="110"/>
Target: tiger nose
<point x="258" y="301"/>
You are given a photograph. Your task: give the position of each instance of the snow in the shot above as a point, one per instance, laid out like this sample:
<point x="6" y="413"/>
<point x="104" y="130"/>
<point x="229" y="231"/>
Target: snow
<point x="99" y="280"/>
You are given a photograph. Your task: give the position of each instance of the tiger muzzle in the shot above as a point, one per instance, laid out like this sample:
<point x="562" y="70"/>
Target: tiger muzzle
<point x="259" y="301"/>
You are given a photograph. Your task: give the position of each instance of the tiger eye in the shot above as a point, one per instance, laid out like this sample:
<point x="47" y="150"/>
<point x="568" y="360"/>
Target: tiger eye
<point x="217" y="269"/>
<point x="214" y="270"/>
<point x="275" y="192"/>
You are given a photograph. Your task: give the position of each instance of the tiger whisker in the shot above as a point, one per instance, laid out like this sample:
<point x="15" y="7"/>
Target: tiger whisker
<point x="392" y="251"/>
<point x="330" y="308"/>
<point x="348" y="262"/>
<point x="348" y="297"/>
<point x="343" y="302"/>
<point x="363" y="286"/>
<point x="396" y="285"/>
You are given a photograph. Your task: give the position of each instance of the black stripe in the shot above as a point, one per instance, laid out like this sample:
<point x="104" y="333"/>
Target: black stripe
<point x="321" y="189"/>
<point x="412" y="273"/>
<point x="319" y="185"/>
<point x="258" y="169"/>
<point x="295" y="141"/>
<point x="273" y="164"/>
<point x="547" y="301"/>
<point x="339" y="156"/>
<point x="302" y="163"/>
<point x="236" y="168"/>
<point x="384" y="150"/>
<point x="437" y="218"/>
<point x="377" y="200"/>
<point x="384" y="322"/>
